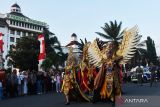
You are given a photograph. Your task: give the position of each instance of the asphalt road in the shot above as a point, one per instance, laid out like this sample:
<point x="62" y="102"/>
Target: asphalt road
<point x="46" y="100"/>
<point x="57" y="99"/>
<point x="138" y="90"/>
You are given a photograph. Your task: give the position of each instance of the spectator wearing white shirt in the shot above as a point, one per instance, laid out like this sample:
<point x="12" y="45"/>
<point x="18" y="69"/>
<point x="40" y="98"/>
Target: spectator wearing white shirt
<point x="58" y="83"/>
<point x="20" y="84"/>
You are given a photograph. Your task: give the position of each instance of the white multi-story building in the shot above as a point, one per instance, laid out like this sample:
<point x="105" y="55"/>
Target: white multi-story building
<point x="15" y="25"/>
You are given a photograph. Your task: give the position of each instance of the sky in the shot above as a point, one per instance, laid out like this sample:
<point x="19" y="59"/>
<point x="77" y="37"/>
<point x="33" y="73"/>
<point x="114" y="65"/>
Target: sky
<point x="85" y="17"/>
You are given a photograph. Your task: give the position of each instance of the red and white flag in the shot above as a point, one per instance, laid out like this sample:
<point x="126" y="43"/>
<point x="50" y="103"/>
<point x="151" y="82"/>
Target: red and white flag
<point x="42" y="53"/>
<point x="1" y="42"/>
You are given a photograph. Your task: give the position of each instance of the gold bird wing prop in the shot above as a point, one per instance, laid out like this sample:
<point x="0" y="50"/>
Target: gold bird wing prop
<point x="94" y="54"/>
<point x="129" y="44"/>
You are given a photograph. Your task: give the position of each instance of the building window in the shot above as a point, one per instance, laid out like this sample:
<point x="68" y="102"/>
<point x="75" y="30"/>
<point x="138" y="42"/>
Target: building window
<point x="16" y="23"/>
<point x="11" y="39"/>
<point x="11" y="46"/>
<point x="13" y="22"/>
<point x="35" y="34"/>
<point x="31" y="26"/>
<point x="23" y="33"/>
<point x="18" y="32"/>
<point x="17" y="39"/>
<point x="22" y="24"/>
<point x="26" y="25"/>
<point x="2" y="26"/>
<point x="29" y="34"/>
<point x="12" y="32"/>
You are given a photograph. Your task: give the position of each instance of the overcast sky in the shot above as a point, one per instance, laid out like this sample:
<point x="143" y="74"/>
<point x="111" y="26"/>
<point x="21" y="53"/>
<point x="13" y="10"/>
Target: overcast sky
<point x="85" y="17"/>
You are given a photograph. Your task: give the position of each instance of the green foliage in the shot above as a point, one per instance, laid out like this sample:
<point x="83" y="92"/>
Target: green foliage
<point x="54" y="53"/>
<point x="47" y="63"/>
<point x="141" y="54"/>
<point x="82" y="44"/>
<point x="151" y="51"/>
<point x="24" y="55"/>
<point x="112" y="31"/>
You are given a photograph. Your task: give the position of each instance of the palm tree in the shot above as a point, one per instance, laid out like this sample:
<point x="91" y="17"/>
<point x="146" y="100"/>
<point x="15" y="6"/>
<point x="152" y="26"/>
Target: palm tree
<point x="141" y="48"/>
<point x="141" y="54"/>
<point x="82" y="44"/>
<point x="54" y="53"/>
<point x="52" y="43"/>
<point x="112" y="31"/>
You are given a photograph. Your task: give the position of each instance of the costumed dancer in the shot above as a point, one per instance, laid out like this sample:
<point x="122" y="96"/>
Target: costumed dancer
<point x="67" y="86"/>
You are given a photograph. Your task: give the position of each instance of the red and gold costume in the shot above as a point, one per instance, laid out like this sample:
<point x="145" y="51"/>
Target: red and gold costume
<point x="67" y="84"/>
<point x="107" y="58"/>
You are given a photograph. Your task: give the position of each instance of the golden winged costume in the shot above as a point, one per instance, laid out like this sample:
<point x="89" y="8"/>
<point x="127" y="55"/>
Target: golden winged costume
<point x="108" y="59"/>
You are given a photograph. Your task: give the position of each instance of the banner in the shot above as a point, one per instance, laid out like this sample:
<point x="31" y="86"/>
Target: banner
<point x="42" y="53"/>
<point x="1" y="42"/>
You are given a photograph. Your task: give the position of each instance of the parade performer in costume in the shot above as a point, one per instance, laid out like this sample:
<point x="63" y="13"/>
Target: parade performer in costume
<point x="67" y="85"/>
<point x="70" y="87"/>
<point x="107" y="58"/>
<point x="68" y="80"/>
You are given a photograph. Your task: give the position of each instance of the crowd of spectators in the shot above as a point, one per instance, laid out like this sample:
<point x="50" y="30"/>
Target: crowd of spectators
<point x="29" y="83"/>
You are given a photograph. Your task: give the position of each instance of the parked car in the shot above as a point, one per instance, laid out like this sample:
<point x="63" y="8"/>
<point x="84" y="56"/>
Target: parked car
<point x="146" y="75"/>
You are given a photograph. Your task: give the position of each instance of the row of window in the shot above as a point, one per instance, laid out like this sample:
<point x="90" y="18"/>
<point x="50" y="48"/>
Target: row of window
<point x="15" y="10"/>
<point x="12" y="39"/>
<point x="26" y="25"/>
<point x="19" y="33"/>
<point x="2" y="26"/>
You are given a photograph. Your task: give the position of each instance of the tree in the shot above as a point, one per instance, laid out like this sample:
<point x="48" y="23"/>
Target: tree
<point x="140" y="54"/>
<point x="54" y="53"/>
<point x="112" y="31"/>
<point x="151" y="51"/>
<point x="25" y="54"/>
<point x="80" y="47"/>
